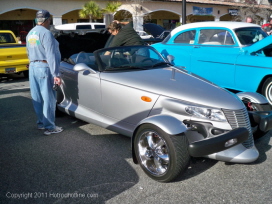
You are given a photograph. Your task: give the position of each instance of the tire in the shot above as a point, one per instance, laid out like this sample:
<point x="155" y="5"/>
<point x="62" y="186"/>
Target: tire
<point x="267" y="89"/>
<point x="161" y="156"/>
<point x="26" y="74"/>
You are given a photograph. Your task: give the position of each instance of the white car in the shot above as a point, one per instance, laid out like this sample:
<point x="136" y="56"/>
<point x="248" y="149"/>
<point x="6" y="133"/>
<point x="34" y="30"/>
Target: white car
<point x="79" y="26"/>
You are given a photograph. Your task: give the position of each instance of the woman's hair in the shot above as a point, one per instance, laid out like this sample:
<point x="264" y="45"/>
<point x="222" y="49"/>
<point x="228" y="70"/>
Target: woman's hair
<point x="114" y="26"/>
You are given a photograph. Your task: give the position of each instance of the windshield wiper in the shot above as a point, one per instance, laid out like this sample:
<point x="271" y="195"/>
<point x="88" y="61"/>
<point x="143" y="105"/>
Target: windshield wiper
<point x="160" y="64"/>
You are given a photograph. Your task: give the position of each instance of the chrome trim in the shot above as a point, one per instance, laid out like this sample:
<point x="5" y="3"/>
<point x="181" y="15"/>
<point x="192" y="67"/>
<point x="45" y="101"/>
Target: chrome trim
<point x="239" y="118"/>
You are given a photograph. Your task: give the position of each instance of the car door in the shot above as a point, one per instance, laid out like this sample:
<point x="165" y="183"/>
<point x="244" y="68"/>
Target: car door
<point x="253" y="65"/>
<point x="69" y="83"/>
<point x="251" y="70"/>
<point x="124" y="105"/>
<point x="82" y="88"/>
<point x="89" y="94"/>
<point x="180" y="46"/>
<point x="214" y="56"/>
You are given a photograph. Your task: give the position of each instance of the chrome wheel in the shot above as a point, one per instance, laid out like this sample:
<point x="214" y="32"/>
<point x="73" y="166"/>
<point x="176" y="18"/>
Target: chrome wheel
<point x="153" y="153"/>
<point x="161" y="156"/>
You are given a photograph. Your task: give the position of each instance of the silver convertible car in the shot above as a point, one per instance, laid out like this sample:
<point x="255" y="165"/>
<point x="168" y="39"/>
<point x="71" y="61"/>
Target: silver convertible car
<point x="169" y="114"/>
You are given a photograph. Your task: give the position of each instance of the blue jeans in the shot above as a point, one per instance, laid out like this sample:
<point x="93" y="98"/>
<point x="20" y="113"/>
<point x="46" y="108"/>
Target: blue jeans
<point x="42" y="93"/>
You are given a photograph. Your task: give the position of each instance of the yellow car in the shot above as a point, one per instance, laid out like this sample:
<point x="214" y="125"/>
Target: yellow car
<point x="13" y="56"/>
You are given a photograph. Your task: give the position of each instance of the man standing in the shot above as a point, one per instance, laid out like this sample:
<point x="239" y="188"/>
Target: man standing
<point x="44" y="56"/>
<point x="249" y="19"/>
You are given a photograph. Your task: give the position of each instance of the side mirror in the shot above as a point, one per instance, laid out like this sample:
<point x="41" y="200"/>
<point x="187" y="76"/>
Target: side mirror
<point x="170" y="58"/>
<point x="82" y="67"/>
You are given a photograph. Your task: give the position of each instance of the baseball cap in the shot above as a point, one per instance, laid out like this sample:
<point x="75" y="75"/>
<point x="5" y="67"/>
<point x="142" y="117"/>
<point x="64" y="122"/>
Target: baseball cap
<point x="42" y="14"/>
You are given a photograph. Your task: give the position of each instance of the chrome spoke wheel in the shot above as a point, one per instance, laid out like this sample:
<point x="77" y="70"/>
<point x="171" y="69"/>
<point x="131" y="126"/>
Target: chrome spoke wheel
<point x="161" y="156"/>
<point x="153" y="153"/>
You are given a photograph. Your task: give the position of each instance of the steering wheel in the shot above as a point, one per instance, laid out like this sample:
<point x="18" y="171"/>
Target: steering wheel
<point x="83" y="55"/>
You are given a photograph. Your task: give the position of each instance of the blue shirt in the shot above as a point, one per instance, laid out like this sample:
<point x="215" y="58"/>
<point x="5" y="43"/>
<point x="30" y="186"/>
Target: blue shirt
<point x="41" y="45"/>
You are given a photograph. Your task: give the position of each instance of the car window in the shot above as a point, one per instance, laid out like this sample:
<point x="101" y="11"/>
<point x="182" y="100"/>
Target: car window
<point x="215" y="37"/>
<point x="83" y="57"/>
<point x="99" y="26"/>
<point x="83" y="27"/>
<point x="128" y="57"/>
<point x="6" y="38"/>
<point x="187" y="37"/>
<point x="250" y="35"/>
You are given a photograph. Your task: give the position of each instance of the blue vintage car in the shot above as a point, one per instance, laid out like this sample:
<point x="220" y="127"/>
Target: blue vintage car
<point x="233" y="55"/>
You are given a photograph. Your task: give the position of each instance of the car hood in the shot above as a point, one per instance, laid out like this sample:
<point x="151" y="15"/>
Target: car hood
<point x="259" y="45"/>
<point x="177" y="84"/>
<point x="154" y="29"/>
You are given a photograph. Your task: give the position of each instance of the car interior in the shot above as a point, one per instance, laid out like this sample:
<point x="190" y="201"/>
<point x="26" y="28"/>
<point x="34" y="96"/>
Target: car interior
<point x="215" y="37"/>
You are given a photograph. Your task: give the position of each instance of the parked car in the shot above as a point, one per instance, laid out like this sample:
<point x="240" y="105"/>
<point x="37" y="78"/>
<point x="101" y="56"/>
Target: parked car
<point x="169" y="114"/>
<point x="158" y="33"/>
<point x="233" y="55"/>
<point x="143" y="34"/>
<point x="13" y="56"/>
<point x="78" y="26"/>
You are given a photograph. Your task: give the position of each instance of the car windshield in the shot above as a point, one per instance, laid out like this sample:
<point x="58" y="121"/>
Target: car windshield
<point x="83" y="57"/>
<point x="250" y="35"/>
<point x="129" y="58"/>
<point x="6" y="38"/>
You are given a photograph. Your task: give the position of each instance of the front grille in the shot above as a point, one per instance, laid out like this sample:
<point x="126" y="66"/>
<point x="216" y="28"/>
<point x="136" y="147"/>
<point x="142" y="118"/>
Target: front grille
<point x="239" y="118"/>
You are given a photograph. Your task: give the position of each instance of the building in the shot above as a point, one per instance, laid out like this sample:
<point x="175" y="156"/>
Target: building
<point x="19" y="16"/>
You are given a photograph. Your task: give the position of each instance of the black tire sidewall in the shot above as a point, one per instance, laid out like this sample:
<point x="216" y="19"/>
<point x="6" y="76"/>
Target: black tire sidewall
<point x="267" y="85"/>
<point x="177" y="147"/>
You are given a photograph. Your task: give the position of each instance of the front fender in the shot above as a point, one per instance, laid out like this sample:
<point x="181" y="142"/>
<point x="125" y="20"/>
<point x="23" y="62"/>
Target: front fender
<point x="252" y="97"/>
<point x="168" y="124"/>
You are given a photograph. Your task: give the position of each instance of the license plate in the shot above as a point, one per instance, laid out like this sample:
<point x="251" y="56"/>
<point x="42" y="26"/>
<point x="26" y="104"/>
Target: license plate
<point x="10" y="70"/>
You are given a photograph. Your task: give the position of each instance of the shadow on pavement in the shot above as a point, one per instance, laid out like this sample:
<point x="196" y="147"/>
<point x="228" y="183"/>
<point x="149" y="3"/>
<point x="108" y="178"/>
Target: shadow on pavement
<point x="79" y="165"/>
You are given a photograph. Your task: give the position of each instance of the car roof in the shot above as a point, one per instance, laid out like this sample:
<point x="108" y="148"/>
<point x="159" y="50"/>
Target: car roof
<point x="226" y="24"/>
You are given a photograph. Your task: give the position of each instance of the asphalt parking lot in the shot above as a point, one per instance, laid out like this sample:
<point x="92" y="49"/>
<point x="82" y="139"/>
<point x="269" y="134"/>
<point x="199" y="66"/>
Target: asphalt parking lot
<point x="89" y="164"/>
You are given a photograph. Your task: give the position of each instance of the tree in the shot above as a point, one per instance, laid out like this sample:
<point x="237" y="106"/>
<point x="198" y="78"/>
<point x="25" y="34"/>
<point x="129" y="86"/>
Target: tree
<point x="111" y="7"/>
<point x="255" y="9"/>
<point x="109" y="11"/>
<point x="91" y="10"/>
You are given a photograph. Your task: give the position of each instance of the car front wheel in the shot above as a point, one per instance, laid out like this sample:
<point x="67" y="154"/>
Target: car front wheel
<point x="161" y="156"/>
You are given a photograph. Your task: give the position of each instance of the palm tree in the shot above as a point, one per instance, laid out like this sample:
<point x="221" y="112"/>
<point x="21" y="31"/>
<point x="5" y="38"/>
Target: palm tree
<point x="111" y="7"/>
<point x="91" y="10"/>
<point x="109" y="10"/>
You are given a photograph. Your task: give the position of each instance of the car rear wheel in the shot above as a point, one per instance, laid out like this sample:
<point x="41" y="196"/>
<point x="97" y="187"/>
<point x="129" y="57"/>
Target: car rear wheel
<point x="267" y="89"/>
<point x="161" y="156"/>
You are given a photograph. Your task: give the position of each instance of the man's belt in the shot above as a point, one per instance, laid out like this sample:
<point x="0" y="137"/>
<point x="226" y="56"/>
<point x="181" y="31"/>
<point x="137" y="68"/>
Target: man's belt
<point x="44" y="61"/>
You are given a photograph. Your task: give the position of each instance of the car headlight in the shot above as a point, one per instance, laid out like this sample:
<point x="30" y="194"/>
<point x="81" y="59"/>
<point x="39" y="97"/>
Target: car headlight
<point x="206" y="113"/>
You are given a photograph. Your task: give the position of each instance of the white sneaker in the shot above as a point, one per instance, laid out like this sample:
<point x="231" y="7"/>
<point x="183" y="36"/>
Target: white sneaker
<point x="55" y="131"/>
